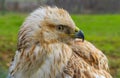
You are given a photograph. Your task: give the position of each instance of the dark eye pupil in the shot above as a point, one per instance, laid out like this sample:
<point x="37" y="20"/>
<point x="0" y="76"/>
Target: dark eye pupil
<point x="60" y="27"/>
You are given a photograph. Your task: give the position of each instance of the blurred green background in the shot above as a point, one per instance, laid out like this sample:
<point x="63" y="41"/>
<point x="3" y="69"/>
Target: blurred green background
<point x="102" y="28"/>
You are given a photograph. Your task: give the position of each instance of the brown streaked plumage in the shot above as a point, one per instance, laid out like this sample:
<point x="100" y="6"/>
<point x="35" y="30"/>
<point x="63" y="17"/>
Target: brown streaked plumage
<point x="86" y="61"/>
<point x="50" y="46"/>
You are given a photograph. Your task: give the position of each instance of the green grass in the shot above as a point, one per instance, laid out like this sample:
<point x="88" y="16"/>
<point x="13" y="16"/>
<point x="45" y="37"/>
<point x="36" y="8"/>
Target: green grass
<point x="102" y="30"/>
<point x="9" y="26"/>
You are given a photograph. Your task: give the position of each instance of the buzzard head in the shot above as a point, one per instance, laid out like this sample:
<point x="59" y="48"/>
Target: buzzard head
<point x="57" y="26"/>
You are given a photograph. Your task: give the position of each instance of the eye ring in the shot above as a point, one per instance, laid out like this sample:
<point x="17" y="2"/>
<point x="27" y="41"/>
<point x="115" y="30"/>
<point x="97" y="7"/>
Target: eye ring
<point x="60" y="27"/>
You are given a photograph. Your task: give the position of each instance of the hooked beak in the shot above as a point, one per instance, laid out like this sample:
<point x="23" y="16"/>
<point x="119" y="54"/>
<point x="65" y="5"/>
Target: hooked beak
<point x="79" y="33"/>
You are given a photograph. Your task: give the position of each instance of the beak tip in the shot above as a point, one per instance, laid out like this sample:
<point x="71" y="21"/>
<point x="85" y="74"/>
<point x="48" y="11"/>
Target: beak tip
<point x="80" y="35"/>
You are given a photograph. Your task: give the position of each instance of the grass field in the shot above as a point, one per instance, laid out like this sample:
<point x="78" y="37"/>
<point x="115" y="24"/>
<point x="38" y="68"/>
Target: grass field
<point x="102" y="30"/>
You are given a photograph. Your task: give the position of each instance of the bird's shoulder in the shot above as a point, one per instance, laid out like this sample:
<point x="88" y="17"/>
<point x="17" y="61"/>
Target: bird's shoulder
<point x="87" y="61"/>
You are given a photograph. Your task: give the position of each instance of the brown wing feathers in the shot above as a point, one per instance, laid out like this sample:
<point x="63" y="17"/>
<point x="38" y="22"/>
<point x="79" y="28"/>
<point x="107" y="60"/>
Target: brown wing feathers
<point x="86" y="61"/>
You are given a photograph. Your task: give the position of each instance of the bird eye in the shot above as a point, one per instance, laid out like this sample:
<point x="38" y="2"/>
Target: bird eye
<point x="60" y="27"/>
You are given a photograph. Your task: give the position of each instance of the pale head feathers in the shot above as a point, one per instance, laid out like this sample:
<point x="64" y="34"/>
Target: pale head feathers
<point x="40" y="25"/>
<point x="41" y="44"/>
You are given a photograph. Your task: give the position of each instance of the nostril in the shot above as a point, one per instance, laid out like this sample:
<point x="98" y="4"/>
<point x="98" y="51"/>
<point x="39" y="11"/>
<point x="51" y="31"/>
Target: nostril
<point x="76" y="30"/>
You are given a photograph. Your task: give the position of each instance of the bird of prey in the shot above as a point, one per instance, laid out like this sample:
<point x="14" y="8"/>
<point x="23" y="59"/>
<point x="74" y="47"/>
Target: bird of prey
<point x="51" y="46"/>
